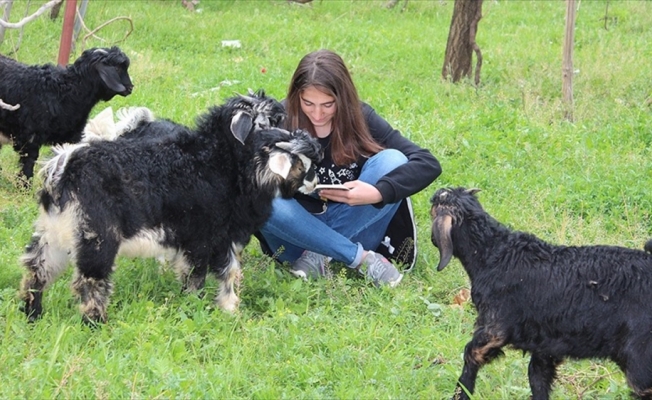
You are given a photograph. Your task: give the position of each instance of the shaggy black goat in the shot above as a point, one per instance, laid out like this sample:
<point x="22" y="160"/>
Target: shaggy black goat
<point x="554" y="302"/>
<point x="55" y="102"/>
<point x="195" y="196"/>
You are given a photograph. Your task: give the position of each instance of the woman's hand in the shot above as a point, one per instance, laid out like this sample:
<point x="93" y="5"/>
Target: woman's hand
<point x="359" y="193"/>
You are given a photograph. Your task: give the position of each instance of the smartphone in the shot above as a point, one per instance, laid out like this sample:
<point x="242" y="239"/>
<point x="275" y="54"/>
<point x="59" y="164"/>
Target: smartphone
<point x="337" y="187"/>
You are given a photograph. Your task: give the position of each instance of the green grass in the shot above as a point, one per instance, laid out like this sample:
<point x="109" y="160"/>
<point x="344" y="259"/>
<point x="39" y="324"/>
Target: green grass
<point x="577" y="183"/>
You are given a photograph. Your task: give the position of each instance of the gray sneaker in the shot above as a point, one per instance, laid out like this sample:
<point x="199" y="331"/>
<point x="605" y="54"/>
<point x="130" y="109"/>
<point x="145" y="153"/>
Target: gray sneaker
<point x="310" y="265"/>
<point x="380" y="270"/>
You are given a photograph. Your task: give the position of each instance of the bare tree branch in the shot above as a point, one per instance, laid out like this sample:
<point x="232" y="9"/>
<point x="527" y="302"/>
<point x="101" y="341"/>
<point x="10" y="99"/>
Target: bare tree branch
<point x="32" y="17"/>
<point x="90" y="33"/>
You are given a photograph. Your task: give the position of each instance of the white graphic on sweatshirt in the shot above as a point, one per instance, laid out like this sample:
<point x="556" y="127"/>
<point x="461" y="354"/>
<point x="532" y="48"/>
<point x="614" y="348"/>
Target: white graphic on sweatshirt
<point x="334" y="179"/>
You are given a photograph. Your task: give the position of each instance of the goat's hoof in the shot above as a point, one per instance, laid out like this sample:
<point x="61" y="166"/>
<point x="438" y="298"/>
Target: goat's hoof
<point x="193" y="284"/>
<point x="459" y="394"/>
<point x="32" y="317"/>
<point x="32" y="313"/>
<point x="91" y="323"/>
<point x="230" y="305"/>
<point x="93" y="320"/>
<point x="192" y="289"/>
<point x="23" y="183"/>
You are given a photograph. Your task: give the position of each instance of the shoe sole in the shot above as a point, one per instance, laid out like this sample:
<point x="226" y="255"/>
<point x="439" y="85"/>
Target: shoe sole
<point x="396" y="282"/>
<point x="299" y="274"/>
<point x="304" y="276"/>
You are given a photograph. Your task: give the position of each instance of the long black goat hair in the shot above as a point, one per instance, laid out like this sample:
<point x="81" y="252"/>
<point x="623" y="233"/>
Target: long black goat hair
<point x="554" y="302"/>
<point x="192" y="195"/>
<point x="53" y="103"/>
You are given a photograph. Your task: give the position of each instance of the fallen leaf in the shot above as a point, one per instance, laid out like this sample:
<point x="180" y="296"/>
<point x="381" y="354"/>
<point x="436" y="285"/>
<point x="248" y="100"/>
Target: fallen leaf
<point x="463" y="296"/>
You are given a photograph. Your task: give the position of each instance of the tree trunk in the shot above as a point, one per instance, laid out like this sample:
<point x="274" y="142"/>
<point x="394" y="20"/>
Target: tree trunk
<point x="567" y="67"/>
<point x="461" y="41"/>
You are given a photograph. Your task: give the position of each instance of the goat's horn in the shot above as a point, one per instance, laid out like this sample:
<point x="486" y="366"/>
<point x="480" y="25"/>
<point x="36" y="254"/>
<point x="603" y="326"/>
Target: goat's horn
<point x="441" y="237"/>
<point x="287" y="146"/>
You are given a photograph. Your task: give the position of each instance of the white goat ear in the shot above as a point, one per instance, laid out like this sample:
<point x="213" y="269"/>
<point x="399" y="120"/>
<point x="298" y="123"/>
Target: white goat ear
<point x="241" y="126"/>
<point x="280" y="164"/>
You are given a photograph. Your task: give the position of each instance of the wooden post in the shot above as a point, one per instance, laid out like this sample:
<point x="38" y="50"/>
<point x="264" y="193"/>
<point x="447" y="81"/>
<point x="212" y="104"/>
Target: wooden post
<point x="567" y="66"/>
<point x="66" y="32"/>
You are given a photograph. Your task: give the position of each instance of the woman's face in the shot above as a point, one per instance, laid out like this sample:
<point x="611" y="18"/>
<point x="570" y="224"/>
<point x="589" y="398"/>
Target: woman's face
<point x="320" y="109"/>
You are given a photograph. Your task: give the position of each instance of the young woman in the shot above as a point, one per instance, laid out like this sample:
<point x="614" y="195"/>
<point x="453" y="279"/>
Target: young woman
<point x="380" y="168"/>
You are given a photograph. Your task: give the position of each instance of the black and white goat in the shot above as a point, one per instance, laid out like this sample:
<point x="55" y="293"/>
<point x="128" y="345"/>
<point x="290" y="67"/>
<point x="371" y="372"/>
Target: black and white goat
<point x="54" y="102"/>
<point x="555" y="302"/>
<point x="194" y="195"/>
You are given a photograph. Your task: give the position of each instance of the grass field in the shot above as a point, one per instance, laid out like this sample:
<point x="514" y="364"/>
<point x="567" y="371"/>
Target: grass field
<point x="586" y="182"/>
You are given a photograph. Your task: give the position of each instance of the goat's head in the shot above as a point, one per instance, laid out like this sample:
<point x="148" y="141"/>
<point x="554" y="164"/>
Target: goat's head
<point x="252" y="112"/>
<point x="111" y="64"/>
<point x="286" y="161"/>
<point x="449" y="208"/>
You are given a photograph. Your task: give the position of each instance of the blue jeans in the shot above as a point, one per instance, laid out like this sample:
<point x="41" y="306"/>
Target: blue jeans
<point x="342" y="232"/>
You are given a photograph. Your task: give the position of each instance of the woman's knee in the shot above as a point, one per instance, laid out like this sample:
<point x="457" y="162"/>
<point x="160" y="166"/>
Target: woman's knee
<point x="393" y="157"/>
<point x="384" y="162"/>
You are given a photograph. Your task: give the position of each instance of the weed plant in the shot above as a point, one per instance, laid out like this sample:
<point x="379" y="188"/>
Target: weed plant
<point x="576" y="183"/>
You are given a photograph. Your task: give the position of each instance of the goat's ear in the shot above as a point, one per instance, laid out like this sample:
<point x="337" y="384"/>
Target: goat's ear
<point x="280" y="164"/>
<point x="110" y="77"/>
<point x="241" y="126"/>
<point x="473" y="191"/>
<point x="441" y="237"/>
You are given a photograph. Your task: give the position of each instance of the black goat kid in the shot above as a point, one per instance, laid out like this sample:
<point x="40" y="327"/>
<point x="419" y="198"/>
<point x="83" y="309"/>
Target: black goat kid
<point x="554" y="302"/>
<point x="192" y="196"/>
<point x="54" y="102"/>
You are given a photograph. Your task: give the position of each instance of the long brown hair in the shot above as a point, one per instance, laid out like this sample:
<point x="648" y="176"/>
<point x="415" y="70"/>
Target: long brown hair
<point x="325" y="71"/>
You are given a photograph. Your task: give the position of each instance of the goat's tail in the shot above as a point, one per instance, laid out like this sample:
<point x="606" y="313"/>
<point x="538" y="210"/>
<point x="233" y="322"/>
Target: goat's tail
<point x="101" y="127"/>
<point x="54" y="167"/>
<point x="130" y="117"/>
<point x="648" y="246"/>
